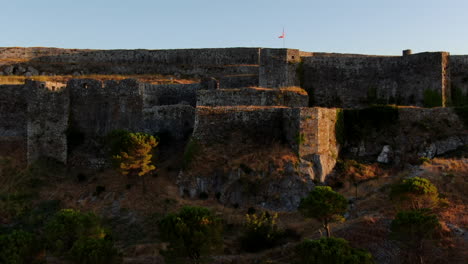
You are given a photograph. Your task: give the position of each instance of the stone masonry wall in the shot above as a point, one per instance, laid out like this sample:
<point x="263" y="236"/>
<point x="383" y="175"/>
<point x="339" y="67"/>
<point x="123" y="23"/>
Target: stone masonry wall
<point x="97" y="109"/>
<point x="246" y="123"/>
<point x="459" y="78"/>
<point x="311" y="133"/>
<point x="170" y="94"/>
<point x="48" y="112"/>
<point x="175" y="121"/>
<point x="359" y="81"/>
<point x="252" y="96"/>
<point x="278" y="68"/>
<point x="35" y="117"/>
<point x="236" y="81"/>
<point x="202" y="62"/>
<point x="13" y="116"/>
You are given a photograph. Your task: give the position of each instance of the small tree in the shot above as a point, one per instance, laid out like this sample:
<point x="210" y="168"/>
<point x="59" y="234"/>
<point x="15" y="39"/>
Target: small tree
<point x="136" y="157"/>
<point x="67" y="226"/>
<point x="331" y="251"/>
<point x="79" y="236"/>
<point x="415" y="227"/>
<point x="17" y="247"/>
<point x="325" y="205"/>
<point x="193" y="233"/>
<point x="261" y="232"/>
<point x="132" y="152"/>
<point x="91" y="250"/>
<point x="415" y="193"/>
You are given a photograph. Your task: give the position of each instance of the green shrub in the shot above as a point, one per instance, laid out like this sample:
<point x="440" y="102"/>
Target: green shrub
<point x="90" y="250"/>
<point x="13" y="205"/>
<point x="415" y="193"/>
<point x="17" y="247"/>
<point x="35" y="219"/>
<point x="331" y="251"/>
<point x="19" y="187"/>
<point x="412" y="227"/>
<point x="194" y="232"/>
<point x="117" y="141"/>
<point x="325" y="205"/>
<point x="261" y="232"/>
<point x="67" y="226"/>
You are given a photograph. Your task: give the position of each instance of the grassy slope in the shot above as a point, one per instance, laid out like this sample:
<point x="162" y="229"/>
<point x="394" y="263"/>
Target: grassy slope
<point x="133" y="214"/>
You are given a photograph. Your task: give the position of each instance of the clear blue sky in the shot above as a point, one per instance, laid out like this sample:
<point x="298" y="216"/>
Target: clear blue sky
<point x="351" y="26"/>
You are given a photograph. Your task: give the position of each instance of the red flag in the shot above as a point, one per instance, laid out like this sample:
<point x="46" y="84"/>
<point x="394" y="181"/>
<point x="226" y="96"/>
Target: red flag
<point x="282" y="35"/>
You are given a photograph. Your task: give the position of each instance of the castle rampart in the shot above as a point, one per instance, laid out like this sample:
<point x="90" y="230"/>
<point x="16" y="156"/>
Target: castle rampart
<point x="253" y="96"/>
<point x="13" y="121"/>
<point x="459" y="79"/>
<point x="420" y="79"/>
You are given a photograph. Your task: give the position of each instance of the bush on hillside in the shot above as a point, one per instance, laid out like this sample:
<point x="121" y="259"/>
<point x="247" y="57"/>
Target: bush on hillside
<point x="192" y="233"/>
<point x="91" y="250"/>
<point x="412" y="227"/>
<point x="415" y="193"/>
<point x="325" y="205"/>
<point x="261" y="232"/>
<point x="331" y="251"/>
<point x="17" y="247"/>
<point x="67" y="226"/>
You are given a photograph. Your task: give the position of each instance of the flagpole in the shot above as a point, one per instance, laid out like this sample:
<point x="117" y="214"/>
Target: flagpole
<point x="284" y="36"/>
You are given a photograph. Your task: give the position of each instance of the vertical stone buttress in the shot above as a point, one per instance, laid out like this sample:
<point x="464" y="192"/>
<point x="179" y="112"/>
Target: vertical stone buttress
<point x="47" y="121"/>
<point x="446" y="79"/>
<point x="311" y="132"/>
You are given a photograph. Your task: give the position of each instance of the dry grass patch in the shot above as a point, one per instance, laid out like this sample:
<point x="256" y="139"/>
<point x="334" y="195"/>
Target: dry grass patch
<point x="251" y="156"/>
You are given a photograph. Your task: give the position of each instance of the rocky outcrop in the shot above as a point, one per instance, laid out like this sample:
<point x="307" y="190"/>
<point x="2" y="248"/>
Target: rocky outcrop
<point x="243" y="187"/>
<point x="410" y="134"/>
<point x="237" y="161"/>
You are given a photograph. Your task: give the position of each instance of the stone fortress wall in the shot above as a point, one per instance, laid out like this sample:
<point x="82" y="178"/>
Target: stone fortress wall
<point x="36" y="117"/>
<point x="331" y="79"/>
<point x="359" y="81"/>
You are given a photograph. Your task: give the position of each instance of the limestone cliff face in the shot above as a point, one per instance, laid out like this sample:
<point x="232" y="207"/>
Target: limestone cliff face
<point x="410" y="134"/>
